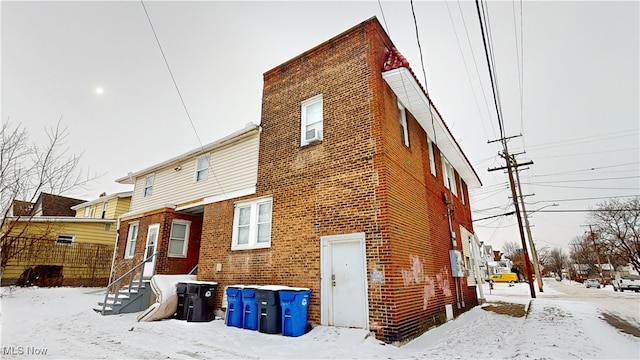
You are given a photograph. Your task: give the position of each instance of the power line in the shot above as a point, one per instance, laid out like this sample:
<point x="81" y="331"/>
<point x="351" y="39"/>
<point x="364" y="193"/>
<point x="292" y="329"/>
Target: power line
<point x="589" y="169"/>
<point x="587" y="153"/>
<point x="588" y="198"/>
<point x="582" y="180"/>
<point x="384" y="20"/>
<point x="175" y="84"/>
<point x="592" y="188"/>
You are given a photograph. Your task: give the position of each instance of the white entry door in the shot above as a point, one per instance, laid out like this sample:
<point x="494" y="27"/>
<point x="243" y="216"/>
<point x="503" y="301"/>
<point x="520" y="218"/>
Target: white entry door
<point x="344" y="281"/>
<point x="150" y="249"/>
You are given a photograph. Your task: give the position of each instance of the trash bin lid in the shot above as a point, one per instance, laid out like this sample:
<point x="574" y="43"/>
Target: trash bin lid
<point x="274" y="287"/>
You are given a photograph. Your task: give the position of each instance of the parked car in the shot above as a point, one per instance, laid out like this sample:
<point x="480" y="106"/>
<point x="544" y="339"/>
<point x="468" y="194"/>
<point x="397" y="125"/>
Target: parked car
<point x="503" y="277"/>
<point x="592" y="283"/>
<point x="624" y="282"/>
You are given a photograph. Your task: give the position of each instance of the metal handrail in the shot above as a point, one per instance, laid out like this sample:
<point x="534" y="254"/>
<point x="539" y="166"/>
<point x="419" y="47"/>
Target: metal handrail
<point x="193" y="271"/>
<point x="119" y="281"/>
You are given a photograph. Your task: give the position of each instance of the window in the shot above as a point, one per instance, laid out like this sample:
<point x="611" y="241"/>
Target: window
<point x="107" y="227"/>
<point x="179" y="238"/>
<point x="202" y="168"/>
<point x="130" y="249"/>
<point x="148" y="185"/>
<point x="404" y="130"/>
<point x="65" y="239"/>
<point x="311" y="129"/>
<point x="449" y="176"/>
<point x="86" y="211"/>
<point x="252" y="225"/>
<point x="104" y="210"/>
<point x="462" y="191"/>
<point x="432" y="157"/>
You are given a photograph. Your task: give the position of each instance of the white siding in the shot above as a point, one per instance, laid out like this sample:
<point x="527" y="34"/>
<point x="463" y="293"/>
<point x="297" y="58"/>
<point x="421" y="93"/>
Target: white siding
<point x="232" y="168"/>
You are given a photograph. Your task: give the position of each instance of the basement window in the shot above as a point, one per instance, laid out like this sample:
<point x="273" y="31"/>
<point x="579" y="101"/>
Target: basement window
<point x="65" y="239"/>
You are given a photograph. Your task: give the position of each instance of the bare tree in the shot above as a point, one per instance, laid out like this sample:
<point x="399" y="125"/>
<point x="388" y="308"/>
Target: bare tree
<point x="557" y="261"/>
<point x="618" y="228"/>
<point x="513" y="252"/>
<point x="26" y="170"/>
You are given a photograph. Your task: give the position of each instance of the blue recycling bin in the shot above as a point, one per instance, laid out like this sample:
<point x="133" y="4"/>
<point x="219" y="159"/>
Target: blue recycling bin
<point x="294" y="304"/>
<point x="249" y="308"/>
<point x="234" y="306"/>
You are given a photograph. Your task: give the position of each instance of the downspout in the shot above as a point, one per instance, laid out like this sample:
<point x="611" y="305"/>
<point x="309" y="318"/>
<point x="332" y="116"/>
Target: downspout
<point x="473" y="240"/>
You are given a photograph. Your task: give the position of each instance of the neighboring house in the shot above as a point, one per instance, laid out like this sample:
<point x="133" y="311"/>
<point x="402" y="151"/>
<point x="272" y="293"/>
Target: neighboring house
<point x="52" y="242"/>
<point x="352" y="186"/>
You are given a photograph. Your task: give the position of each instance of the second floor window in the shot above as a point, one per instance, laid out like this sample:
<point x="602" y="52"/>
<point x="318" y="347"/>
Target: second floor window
<point x="449" y="176"/>
<point x="87" y="211"/>
<point x="104" y="210"/>
<point x="432" y="157"/>
<point x="311" y="128"/>
<point x="202" y="168"/>
<point x="148" y="185"/>
<point x="404" y="129"/>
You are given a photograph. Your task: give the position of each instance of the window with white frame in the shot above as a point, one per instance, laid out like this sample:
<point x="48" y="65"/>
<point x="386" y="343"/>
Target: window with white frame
<point x="65" y="239"/>
<point x="311" y="129"/>
<point x="202" y="167"/>
<point x="432" y="157"/>
<point x="130" y="249"/>
<point x="148" y="185"/>
<point x="449" y="176"/>
<point x="104" y="210"/>
<point x="404" y="130"/>
<point x="252" y="224"/>
<point x="87" y="211"/>
<point x="179" y="238"/>
<point x="462" y="191"/>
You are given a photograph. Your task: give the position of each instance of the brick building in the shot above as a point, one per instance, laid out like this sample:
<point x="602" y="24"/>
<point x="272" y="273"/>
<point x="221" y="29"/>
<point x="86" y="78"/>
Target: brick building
<point x="360" y="194"/>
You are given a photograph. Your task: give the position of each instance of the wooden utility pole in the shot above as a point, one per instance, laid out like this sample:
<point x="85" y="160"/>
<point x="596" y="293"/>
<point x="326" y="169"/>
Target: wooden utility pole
<point x="509" y="167"/>
<point x="534" y="253"/>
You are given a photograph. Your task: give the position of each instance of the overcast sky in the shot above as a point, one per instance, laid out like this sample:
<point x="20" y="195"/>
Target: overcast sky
<point x="576" y="65"/>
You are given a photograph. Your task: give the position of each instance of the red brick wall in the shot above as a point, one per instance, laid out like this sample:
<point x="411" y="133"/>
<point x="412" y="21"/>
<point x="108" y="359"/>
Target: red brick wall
<point x="164" y="264"/>
<point x="360" y="178"/>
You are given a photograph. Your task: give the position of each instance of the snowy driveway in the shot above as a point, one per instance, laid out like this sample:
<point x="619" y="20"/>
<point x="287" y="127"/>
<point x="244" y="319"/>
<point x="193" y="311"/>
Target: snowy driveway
<point x="58" y="323"/>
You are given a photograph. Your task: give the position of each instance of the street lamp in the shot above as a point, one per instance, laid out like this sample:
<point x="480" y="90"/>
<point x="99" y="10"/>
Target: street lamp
<point x="534" y="253"/>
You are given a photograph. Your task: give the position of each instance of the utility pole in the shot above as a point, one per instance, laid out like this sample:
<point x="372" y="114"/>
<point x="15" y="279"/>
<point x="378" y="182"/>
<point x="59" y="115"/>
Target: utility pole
<point x="534" y="253"/>
<point x="509" y="167"/>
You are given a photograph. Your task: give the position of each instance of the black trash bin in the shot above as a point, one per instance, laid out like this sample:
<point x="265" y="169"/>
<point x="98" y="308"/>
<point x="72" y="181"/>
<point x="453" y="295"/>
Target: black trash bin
<point x="183" y="302"/>
<point x="200" y="301"/>
<point x="269" y="311"/>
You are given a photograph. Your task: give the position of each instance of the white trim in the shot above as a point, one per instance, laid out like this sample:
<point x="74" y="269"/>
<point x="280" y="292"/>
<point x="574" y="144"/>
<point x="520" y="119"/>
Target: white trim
<point x="325" y="263"/>
<point x="185" y="246"/>
<point x="228" y="195"/>
<point x="407" y="89"/>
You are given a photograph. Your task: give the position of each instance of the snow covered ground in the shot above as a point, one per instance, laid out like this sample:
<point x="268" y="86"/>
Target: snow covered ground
<point x="564" y="322"/>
